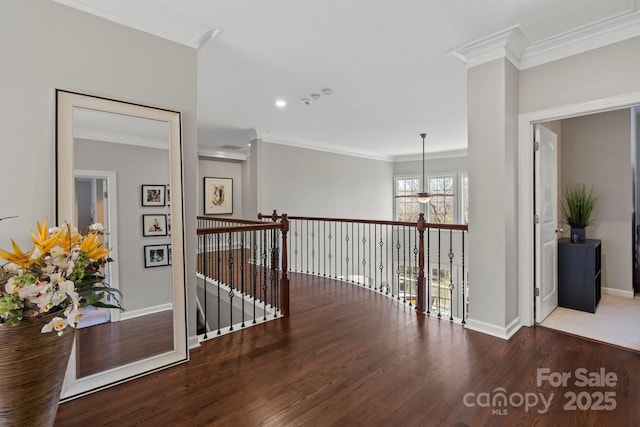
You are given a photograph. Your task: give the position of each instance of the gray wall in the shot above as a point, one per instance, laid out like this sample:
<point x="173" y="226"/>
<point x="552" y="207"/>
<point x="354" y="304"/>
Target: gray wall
<point x="46" y="46"/>
<point x="217" y="168"/>
<point x="412" y="167"/>
<point x="597" y="152"/>
<point x="600" y="73"/>
<point x="141" y="287"/>
<point x="304" y="182"/>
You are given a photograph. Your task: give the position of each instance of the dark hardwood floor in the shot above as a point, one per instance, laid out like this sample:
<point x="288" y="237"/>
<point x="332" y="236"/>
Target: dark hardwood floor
<point x="104" y="346"/>
<point x="350" y="357"/>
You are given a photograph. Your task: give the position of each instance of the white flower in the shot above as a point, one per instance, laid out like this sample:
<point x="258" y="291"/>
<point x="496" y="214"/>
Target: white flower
<point x="31" y="292"/>
<point x="9" y="287"/>
<point x="98" y="227"/>
<point x="56" y="324"/>
<point x="53" y="230"/>
<point x="12" y="268"/>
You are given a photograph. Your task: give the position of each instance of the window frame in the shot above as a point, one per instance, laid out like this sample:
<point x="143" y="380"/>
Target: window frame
<point x="458" y="193"/>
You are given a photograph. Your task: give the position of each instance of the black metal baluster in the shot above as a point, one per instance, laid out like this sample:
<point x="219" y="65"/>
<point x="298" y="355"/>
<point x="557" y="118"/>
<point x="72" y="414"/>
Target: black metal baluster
<point x="381" y="265"/>
<point x="255" y="273"/>
<point x="398" y="246"/>
<point x="451" y="274"/>
<point x="324" y="248"/>
<point x="439" y="272"/>
<point x="364" y="256"/>
<point x="415" y="267"/>
<point x="242" y="275"/>
<point x="264" y="273"/>
<point x="205" y="263"/>
<point x="329" y="255"/>
<point x="464" y="299"/>
<point x="370" y="263"/>
<point x="313" y="248"/>
<point x="375" y="257"/>
<point x="231" y="281"/>
<point x="356" y="242"/>
<point x="346" y="246"/>
<point x="218" y="267"/>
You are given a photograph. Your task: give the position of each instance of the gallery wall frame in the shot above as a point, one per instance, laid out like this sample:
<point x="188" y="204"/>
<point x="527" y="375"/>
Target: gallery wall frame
<point x="218" y="195"/>
<point x="154" y="225"/>
<point x="153" y="195"/>
<point x="156" y="256"/>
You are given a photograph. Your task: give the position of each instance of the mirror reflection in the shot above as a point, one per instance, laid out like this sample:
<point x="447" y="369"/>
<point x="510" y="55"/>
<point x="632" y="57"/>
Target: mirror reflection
<point x="119" y="164"/>
<point x="133" y="151"/>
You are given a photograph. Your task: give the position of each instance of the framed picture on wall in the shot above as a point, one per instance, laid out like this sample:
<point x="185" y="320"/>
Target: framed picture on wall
<point x="169" y="224"/>
<point x="156" y="256"/>
<point x="153" y="195"/>
<point x="169" y="254"/>
<point x="154" y="225"/>
<point x="168" y="195"/>
<point x="218" y="196"/>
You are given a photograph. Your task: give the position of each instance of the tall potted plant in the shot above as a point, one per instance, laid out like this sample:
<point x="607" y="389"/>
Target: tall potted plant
<point x="577" y="208"/>
<point x="41" y="293"/>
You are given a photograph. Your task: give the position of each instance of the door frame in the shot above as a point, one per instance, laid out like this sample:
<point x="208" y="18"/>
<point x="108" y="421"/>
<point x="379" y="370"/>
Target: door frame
<point x="526" y="232"/>
<point x="111" y="226"/>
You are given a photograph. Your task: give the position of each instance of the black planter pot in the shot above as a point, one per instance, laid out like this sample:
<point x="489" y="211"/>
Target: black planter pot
<point x="577" y="235"/>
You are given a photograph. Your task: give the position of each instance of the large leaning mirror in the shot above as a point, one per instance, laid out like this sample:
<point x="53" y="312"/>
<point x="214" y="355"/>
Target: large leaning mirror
<point x="119" y="164"/>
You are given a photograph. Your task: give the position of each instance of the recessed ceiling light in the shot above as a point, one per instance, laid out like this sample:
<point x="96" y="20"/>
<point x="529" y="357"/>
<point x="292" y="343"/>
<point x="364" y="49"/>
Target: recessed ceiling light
<point x="281" y="103"/>
<point x="327" y="91"/>
<point x="315" y="96"/>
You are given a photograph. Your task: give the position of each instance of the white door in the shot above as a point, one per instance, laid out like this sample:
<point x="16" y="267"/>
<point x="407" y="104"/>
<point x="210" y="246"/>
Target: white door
<point x="546" y="205"/>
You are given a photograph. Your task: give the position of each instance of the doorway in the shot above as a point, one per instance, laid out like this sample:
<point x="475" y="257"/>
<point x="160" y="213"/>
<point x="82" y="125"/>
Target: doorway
<point x="95" y="202"/>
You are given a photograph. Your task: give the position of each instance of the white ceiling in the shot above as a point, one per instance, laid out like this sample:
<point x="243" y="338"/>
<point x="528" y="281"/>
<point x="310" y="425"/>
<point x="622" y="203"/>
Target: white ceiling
<point x="394" y="66"/>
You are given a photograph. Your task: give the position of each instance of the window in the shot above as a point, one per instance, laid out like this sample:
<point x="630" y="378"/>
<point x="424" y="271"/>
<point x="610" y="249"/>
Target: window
<point x="441" y="206"/>
<point x="464" y="183"/>
<point x="407" y="207"/>
<point x="447" y="206"/>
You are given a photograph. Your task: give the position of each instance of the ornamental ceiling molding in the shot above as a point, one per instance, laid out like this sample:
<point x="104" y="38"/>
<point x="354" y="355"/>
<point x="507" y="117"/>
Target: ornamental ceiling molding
<point x="513" y="44"/>
<point x="134" y="14"/>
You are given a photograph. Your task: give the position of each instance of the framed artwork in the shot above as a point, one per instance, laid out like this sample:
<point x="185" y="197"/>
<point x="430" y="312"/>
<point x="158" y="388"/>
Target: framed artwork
<point x="153" y="195"/>
<point x="169" y="254"/>
<point x="154" y="225"/>
<point x="156" y="256"/>
<point x="168" y="195"/>
<point x="218" y="196"/>
<point x="168" y="224"/>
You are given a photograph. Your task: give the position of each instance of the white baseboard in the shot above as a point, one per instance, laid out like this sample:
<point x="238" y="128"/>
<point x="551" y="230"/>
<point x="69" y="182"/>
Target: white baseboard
<point x="194" y="342"/>
<point x="617" y="292"/>
<point x="504" y="332"/>
<point x="145" y="311"/>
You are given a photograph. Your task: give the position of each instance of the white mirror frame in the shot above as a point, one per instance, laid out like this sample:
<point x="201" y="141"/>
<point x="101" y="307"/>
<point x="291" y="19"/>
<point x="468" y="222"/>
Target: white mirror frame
<point x="65" y="196"/>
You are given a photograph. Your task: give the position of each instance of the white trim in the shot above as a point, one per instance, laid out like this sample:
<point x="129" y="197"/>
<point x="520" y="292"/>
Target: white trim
<point x="513" y="44"/>
<point x="432" y="156"/>
<point x="525" y="184"/>
<point x="323" y="146"/>
<point x="217" y="154"/>
<point x="509" y="43"/>
<point x="497" y="331"/>
<point x="194" y="342"/>
<point x="86" y="132"/>
<point x="617" y="292"/>
<point x="611" y="30"/>
<point x="178" y="29"/>
<point x="126" y="315"/>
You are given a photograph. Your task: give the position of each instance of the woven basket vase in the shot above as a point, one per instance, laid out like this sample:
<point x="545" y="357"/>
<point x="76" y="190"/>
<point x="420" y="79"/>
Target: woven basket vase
<point x="32" y="369"/>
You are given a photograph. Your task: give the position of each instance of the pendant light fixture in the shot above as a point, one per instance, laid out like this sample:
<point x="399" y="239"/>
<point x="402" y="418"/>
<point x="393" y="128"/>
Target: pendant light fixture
<point x="423" y="196"/>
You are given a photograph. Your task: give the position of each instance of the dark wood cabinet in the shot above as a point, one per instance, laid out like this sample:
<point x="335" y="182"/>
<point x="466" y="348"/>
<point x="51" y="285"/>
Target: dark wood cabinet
<point x="579" y="274"/>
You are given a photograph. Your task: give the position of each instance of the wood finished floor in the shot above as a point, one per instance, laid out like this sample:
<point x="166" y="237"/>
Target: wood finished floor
<point x="104" y="346"/>
<point x="350" y="357"/>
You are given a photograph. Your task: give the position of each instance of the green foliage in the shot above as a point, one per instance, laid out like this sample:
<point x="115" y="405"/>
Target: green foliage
<point x="578" y="205"/>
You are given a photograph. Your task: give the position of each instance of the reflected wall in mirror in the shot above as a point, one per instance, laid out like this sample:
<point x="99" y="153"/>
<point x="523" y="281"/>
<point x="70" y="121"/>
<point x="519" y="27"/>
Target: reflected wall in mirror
<point x="107" y="151"/>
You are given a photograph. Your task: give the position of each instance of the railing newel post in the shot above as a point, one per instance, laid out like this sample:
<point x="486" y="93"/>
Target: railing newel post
<point x="421" y="305"/>
<point x="284" y="280"/>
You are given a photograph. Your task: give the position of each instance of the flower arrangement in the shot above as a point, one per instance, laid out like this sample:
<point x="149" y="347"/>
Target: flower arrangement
<point x="62" y="272"/>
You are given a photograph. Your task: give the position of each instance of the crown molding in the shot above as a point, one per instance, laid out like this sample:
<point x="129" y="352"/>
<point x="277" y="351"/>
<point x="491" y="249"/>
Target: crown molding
<point x="320" y="146"/>
<point x="92" y="134"/>
<point x="602" y="33"/>
<point x="509" y="43"/>
<point x="513" y="44"/>
<point x="177" y="29"/>
<point x="217" y="154"/>
<point x="450" y="154"/>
